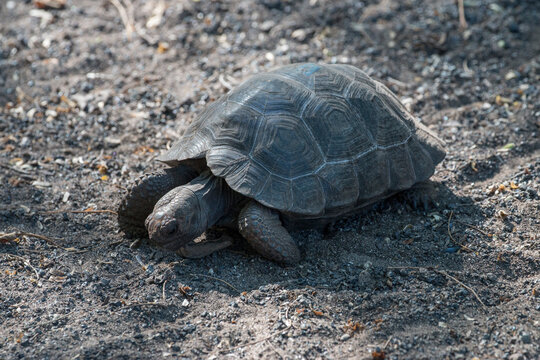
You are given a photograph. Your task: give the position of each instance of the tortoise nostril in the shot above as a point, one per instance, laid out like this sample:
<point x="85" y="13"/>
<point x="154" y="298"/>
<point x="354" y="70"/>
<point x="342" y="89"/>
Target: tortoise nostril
<point x="171" y="228"/>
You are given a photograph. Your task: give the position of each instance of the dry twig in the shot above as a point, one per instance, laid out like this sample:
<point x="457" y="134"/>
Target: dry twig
<point x="117" y="242"/>
<point x="124" y="16"/>
<point x="397" y="82"/>
<point x="6" y="237"/>
<point x="163" y="291"/>
<point x="50" y="4"/>
<point x="218" y="279"/>
<point x="126" y="11"/>
<point x="472" y="227"/>
<point x="143" y="304"/>
<point x="20" y="171"/>
<point x="224" y="82"/>
<point x="25" y="262"/>
<point x="462" y="284"/>
<point x="104" y="211"/>
<point x="387" y="342"/>
<point x="120" y="187"/>
<point x="17" y="234"/>
<point x="444" y="274"/>
<point x="462" y="21"/>
<point x="463" y="247"/>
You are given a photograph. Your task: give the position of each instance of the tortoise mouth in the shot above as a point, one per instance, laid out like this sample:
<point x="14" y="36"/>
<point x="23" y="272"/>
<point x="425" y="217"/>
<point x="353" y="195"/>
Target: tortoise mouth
<point x="171" y="245"/>
<point x="163" y="233"/>
<point x="166" y="233"/>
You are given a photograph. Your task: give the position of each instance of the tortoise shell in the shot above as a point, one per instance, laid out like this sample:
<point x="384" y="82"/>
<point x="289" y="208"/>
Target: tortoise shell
<point x="308" y="139"/>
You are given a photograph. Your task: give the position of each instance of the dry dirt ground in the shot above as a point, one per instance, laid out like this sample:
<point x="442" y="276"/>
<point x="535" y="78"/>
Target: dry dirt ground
<point x="85" y="107"/>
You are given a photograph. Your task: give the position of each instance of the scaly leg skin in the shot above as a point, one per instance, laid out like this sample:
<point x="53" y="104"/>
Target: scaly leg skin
<point x="263" y="230"/>
<point x="145" y="192"/>
<point x="203" y="246"/>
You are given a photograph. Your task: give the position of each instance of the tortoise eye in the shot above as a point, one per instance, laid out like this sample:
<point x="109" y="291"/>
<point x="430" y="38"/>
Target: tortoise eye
<point x="170" y="228"/>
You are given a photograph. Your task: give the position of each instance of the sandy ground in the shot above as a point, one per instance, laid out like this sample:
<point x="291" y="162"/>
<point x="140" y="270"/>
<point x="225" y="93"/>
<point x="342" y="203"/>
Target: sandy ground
<point x="86" y="107"/>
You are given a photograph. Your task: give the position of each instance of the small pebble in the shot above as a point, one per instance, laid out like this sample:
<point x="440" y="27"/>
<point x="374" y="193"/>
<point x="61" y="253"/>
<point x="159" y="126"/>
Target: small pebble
<point x="526" y="338"/>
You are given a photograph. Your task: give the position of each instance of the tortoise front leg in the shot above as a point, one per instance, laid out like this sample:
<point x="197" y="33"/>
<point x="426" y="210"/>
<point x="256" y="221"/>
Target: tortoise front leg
<point x="263" y="230"/>
<point x="144" y="194"/>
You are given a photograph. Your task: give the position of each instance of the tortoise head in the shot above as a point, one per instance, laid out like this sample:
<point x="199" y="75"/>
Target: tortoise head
<point x="176" y="220"/>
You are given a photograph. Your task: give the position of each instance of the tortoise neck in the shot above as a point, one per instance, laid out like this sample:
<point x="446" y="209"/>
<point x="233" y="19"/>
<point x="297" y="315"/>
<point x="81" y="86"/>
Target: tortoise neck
<point x="215" y="197"/>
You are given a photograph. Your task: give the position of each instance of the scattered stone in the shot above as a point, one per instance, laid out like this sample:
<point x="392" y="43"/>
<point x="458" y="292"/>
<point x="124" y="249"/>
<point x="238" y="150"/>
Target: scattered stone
<point x="526" y="338"/>
<point x="112" y="141"/>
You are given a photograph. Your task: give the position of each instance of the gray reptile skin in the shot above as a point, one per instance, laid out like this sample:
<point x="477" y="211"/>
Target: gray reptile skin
<point x="308" y="141"/>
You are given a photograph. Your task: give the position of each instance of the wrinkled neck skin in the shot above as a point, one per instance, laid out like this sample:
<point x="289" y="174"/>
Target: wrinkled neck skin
<point x="187" y="211"/>
<point x="215" y="198"/>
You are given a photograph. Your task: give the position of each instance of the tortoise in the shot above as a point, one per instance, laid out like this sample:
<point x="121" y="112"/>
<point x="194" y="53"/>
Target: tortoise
<point x="301" y="145"/>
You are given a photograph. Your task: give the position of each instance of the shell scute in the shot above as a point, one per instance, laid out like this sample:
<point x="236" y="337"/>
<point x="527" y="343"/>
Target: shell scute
<point x="335" y="126"/>
<point x="286" y="148"/>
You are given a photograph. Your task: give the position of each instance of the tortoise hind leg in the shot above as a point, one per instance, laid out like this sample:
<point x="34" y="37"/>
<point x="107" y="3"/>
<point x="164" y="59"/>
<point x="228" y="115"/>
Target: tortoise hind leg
<point x="421" y="196"/>
<point x="263" y="230"/>
<point x="145" y="192"/>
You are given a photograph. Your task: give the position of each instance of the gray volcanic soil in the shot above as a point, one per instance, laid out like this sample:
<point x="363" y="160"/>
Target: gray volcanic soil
<point x="84" y="110"/>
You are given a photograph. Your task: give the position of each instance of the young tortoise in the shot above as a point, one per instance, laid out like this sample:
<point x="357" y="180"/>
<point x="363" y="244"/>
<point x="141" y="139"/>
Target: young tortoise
<point x="303" y="144"/>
